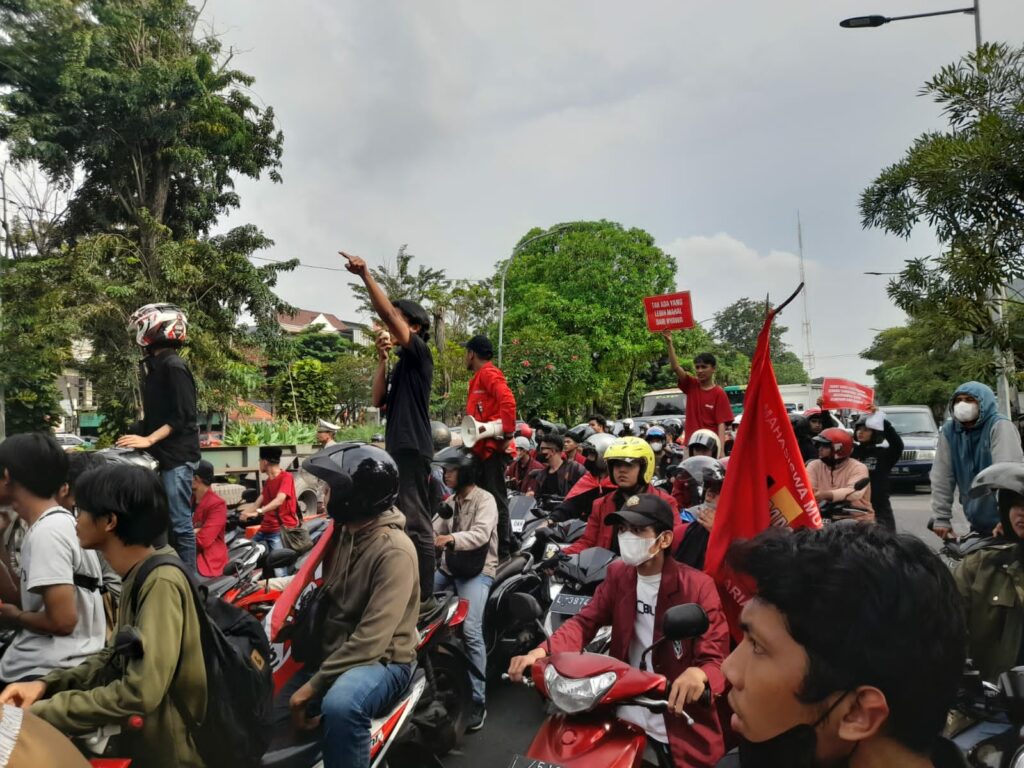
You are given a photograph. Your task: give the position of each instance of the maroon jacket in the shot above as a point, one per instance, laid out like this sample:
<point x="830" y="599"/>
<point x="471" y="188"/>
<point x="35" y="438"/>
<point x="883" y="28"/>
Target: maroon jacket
<point x="600" y="534"/>
<point x="522" y="477"/>
<point x="614" y="603"/>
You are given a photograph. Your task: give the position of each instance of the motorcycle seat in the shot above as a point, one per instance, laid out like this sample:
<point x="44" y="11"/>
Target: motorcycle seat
<point x="509" y="568"/>
<point x="219" y="584"/>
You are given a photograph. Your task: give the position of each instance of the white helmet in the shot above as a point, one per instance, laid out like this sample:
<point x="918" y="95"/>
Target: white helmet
<point x="159" y="322"/>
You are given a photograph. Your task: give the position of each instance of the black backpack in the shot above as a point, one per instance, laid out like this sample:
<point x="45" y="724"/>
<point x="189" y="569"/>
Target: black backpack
<point x="239" y="685"/>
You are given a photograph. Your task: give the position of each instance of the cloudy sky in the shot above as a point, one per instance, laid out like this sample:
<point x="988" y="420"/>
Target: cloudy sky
<point x="456" y="125"/>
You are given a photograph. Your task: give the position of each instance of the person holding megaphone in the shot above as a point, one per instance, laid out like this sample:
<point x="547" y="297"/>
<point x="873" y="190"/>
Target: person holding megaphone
<point x="491" y="400"/>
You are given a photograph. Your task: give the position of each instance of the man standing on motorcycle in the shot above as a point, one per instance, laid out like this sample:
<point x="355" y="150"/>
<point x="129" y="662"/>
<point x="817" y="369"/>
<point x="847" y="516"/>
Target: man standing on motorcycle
<point x="707" y="405"/>
<point x="879" y="461"/>
<point x="372" y="600"/>
<point x="834" y="473"/>
<point x="405" y="397"/>
<point x="490" y="399"/>
<point x="630" y="463"/>
<point x="991" y="580"/>
<point x="639" y="588"/>
<point x="976" y="437"/>
<point x="852" y="651"/>
<point x="468" y="536"/>
<point x="558" y="476"/>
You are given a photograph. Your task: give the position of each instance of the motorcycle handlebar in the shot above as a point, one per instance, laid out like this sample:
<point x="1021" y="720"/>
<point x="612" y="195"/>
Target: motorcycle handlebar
<point x="527" y="677"/>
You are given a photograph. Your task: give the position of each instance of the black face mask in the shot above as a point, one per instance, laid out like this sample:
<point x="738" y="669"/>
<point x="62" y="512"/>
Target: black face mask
<point x="794" y="748"/>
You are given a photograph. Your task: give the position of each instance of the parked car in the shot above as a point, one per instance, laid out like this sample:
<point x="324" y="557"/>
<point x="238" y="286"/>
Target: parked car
<point x="916" y="426"/>
<point x="71" y="442"/>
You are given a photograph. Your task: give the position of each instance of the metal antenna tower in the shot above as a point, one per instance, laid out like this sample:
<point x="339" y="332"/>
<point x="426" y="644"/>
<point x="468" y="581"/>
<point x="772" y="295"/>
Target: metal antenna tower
<point x="806" y="325"/>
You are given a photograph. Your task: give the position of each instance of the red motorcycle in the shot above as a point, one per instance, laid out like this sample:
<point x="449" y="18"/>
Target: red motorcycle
<point x="586" y="688"/>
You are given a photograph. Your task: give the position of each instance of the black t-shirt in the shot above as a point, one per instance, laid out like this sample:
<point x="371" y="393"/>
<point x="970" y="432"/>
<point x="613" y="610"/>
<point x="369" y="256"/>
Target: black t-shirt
<point x="408" y="401"/>
<point x="550" y="485"/>
<point x="169" y="397"/>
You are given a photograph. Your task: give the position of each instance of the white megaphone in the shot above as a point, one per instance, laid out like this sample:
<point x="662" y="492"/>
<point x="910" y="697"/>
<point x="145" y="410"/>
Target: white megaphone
<point x="473" y="430"/>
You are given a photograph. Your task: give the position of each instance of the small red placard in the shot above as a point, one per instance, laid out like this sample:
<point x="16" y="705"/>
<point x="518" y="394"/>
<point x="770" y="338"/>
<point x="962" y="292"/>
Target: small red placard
<point x="671" y="312"/>
<point x="841" y="393"/>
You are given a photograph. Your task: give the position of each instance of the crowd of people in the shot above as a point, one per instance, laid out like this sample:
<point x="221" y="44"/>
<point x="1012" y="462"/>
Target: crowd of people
<point x="811" y="675"/>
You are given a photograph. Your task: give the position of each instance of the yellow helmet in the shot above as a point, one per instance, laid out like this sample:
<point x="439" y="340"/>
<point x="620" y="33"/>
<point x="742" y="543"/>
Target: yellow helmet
<point x="630" y="449"/>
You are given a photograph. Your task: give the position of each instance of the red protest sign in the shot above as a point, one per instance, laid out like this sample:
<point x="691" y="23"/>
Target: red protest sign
<point x="840" y="393"/>
<point x="671" y="312"/>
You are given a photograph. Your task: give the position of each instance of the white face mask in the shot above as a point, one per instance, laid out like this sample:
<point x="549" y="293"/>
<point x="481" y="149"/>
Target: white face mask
<point x="965" y="412"/>
<point x="635" y="550"/>
<point x="657" y="446"/>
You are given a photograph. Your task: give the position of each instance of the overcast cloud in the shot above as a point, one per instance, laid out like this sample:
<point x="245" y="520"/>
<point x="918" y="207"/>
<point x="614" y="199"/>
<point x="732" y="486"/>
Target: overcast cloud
<point x="456" y="126"/>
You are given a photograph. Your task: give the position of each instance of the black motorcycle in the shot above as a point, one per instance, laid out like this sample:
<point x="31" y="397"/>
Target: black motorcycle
<point x="986" y="722"/>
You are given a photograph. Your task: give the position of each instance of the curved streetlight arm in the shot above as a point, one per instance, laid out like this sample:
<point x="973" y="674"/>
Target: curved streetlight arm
<point x="504" y="271"/>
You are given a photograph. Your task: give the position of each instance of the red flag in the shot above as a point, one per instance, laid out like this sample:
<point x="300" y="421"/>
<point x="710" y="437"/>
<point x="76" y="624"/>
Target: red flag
<point x="766" y="478"/>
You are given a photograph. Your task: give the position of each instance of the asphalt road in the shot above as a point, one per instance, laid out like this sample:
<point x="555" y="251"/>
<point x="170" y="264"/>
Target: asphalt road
<point x="514" y="713"/>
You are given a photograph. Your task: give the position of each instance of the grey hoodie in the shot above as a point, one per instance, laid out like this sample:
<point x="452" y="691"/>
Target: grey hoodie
<point x="372" y="584"/>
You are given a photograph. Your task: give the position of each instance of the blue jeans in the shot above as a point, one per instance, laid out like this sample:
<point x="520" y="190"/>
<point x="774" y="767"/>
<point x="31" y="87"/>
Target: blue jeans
<point x="178" y="485"/>
<point x="273" y="541"/>
<point x="474" y="590"/>
<point x="354" y="699"/>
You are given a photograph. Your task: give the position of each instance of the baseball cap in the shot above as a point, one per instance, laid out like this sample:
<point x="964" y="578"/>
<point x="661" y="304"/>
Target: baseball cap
<point x="205" y="472"/>
<point x="645" y="509"/>
<point x="481" y="345"/>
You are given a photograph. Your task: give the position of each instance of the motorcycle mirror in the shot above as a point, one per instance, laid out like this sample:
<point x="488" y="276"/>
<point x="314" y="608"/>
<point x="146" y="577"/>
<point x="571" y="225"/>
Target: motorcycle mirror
<point x="861" y="484"/>
<point x="684" y="621"/>
<point x="281" y="558"/>
<point x="524" y="608"/>
<point x="128" y="643"/>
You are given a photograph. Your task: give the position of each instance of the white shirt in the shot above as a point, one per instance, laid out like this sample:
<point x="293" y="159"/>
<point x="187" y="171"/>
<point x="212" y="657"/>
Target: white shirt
<point x="653" y="723"/>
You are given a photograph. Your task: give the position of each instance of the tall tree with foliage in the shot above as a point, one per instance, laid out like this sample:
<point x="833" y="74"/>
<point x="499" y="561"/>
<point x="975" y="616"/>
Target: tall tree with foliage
<point x="305" y="391"/>
<point x="967" y="184"/>
<point x="588" y="281"/>
<point x="169" y="125"/>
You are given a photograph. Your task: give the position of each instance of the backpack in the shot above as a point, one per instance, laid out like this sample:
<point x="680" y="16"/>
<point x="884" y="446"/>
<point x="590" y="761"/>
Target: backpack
<point x="239" y="686"/>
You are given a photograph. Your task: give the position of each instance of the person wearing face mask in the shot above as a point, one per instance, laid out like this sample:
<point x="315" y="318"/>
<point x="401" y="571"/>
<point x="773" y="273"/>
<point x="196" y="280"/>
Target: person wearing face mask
<point x="834" y="473"/>
<point x="852" y="651"/>
<point x="991" y="580"/>
<point x="640" y="587"/>
<point x="558" y="476"/>
<point x="630" y="463"/>
<point x="976" y="437"/>
<point x="657" y="438"/>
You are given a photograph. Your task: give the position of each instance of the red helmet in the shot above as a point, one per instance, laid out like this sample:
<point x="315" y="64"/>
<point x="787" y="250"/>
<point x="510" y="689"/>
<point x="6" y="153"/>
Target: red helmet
<point x="839" y="440"/>
<point x="810" y="413"/>
<point x="524" y="430"/>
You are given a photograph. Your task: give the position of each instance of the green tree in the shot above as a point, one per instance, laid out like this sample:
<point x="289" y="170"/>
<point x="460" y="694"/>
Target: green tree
<point x="967" y="184"/>
<point x="169" y="126"/>
<point x="352" y="376"/>
<point x="550" y="375"/>
<point x="398" y="282"/>
<point x="588" y="281"/>
<point x="306" y="391"/>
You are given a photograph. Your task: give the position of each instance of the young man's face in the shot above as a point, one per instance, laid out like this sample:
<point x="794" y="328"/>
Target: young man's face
<point x="766" y="672"/>
<point x="451" y="476"/>
<point x="196" y="484"/>
<point x="524" y="456"/>
<point x="656" y="542"/>
<point x="815" y="423"/>
<point x="625" y="475"/>
<point x="596" y="425"/>
<point x="570" y="445"/>
<point x="705" y="372"/>
<point x="864" y="435"/>
<point x="93" y="531"/>
<point x="1017" y="520"/>
<point x="546" y="453"/>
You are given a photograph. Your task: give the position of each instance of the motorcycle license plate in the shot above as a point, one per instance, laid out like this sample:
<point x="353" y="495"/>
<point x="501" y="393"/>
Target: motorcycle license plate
<point x="517" y="525"/>
<point x="522" y="761"/>
<point x="569" y="605"/>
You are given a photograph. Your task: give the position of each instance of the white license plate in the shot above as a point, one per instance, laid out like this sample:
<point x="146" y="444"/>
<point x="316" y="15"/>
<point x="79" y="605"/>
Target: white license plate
<point x="569" y="605"/>
<point x="517" y="525"/>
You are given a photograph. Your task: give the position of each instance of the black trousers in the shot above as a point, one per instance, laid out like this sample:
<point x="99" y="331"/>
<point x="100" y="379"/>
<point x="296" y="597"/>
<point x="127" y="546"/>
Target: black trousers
<point x="491" y="477"/>
<point x="414" y="503"/>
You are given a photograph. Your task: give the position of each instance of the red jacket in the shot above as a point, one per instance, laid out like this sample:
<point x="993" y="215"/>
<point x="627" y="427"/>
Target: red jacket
<point x="490" y="399"/>
<point x="209" y="518"/>
<point x="599" y="534"/>
<point x="614" y="603"/>
<point x="522" y="477"/>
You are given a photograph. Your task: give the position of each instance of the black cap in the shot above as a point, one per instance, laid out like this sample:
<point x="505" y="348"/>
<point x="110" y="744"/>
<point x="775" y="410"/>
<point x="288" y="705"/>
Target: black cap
<point x="413" y="311"/>
<point x="645" y="509"/>
<point x="205" y="472"/>
<point x="481" y="345"/>
<point x="271" y="453"/>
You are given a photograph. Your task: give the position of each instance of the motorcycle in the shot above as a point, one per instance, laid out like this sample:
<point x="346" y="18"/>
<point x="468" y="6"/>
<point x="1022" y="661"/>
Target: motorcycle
<point x="573" y="583"/>
<point x="986" y="721"/>
<point x="432" y="715"/>
<point x="585" y="689"/>
<point x="841" y="511"/>
<point x="955" y="548"/>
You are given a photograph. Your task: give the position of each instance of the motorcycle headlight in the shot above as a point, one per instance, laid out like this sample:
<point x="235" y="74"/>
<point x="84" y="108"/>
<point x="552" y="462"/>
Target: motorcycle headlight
<point x="926" y="455"/>
<point x="572" y="695"/>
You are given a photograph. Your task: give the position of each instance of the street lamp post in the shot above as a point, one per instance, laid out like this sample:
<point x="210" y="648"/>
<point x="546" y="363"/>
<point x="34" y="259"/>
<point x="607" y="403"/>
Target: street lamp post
<point x="504" y="271"/>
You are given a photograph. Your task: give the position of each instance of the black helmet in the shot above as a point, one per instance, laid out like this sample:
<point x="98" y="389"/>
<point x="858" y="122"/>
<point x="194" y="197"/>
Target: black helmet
<point x="460" y="459"/>
<point x="440" y="434"/>
<point x="541" y="427"/>
<point x="413" y="311"/>
<point x="131" y="456"/>
<point x="580" y="434"/>
<point x="696" y="472"/>
<point x="1006" y="480"/>
<point x="801" y="426"/>
<point x="877" y="436"/>
<point x="673" y="425"/>
<point x="363" y="480"/>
